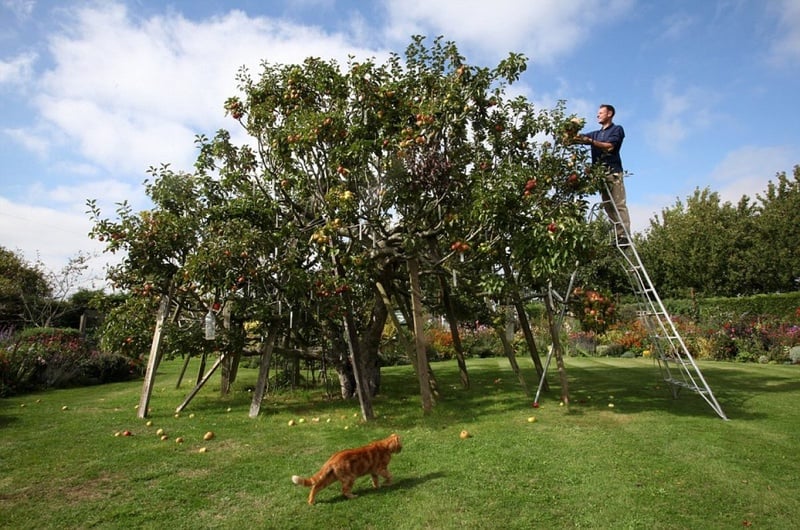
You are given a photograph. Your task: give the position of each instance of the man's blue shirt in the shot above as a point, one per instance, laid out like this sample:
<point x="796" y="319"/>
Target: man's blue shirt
<point x="613" y="134"/>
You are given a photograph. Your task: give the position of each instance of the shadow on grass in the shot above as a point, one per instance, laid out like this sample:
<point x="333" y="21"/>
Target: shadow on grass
<point x="366" y="489"/>
<point x="6" y="420"/>
<point x="636" y="385"/>
<point x="641" y="387"/>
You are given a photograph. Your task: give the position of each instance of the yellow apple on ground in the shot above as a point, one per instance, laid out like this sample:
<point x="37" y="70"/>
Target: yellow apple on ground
<point x="464" y="435"/>
<point x="179" y="440"/>
<point x="532" y="419"/>
<point x="208" y="436"/>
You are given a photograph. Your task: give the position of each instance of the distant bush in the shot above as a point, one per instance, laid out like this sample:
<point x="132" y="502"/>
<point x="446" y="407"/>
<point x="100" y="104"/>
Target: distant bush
<point x="41" y="358"/>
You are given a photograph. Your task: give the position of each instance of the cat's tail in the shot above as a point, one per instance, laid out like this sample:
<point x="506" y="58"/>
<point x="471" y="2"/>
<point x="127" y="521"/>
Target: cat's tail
<point x="300" y="481"/>
<point x="322" y="476"/>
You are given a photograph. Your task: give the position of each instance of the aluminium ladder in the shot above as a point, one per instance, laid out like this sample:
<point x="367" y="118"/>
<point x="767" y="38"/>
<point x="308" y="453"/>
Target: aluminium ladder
<point x="677" y="365"/>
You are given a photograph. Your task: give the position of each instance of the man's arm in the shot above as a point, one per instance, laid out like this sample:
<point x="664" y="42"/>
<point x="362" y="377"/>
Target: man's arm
<point x="605" y="146"/>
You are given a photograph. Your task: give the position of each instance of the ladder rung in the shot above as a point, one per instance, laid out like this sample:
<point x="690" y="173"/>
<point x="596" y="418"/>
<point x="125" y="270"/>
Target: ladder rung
<point x="684" y="384"/>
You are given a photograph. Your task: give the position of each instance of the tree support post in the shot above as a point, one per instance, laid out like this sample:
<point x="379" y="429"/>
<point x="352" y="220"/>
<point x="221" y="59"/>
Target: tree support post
<point x="202" y="382"/>
<point x="154" y="357"/>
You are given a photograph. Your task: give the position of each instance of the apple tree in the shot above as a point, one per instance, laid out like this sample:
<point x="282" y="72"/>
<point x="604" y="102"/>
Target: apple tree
<point x="361" y="191"/>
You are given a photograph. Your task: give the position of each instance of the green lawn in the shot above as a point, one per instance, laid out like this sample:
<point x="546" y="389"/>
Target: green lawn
<point x="648" y="462"/>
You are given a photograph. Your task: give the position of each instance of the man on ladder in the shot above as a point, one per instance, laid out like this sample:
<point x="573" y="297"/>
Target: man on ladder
<point x="606" y="144"/>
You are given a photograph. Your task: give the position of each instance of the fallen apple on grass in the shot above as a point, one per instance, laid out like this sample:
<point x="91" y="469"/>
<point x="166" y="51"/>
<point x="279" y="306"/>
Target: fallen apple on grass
<point x="464" y="435"/>
<point x="208" y="436"/>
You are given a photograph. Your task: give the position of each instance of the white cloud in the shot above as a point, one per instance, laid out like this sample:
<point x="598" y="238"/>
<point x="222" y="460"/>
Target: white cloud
<point x="131" y="93"/>
<point x="18" y="69"/>
<point x="681" y="114"/>
<point x="31" y="140"/>
<point x="123" y="93"/>
<point x="56" y="235"/>
<point x="22" y="9"/>
<point x="787" y="46"/>
<point x="747" y="171"/>
<point x="108" y="194"/>
<point x="543" y="30"/>
<point x="676" y="26"/>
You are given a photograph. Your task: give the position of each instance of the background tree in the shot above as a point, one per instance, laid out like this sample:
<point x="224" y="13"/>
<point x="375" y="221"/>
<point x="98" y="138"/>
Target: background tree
<point x="777" y="232"/>
<point x="33" y="295"/>
<point x="18" y="280"/>
<point x="714" y="248"/>
<point x="691" y="247"/>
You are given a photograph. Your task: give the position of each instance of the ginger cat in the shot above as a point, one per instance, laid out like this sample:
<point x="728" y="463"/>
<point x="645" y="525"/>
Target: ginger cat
<point x="346" y="466"/>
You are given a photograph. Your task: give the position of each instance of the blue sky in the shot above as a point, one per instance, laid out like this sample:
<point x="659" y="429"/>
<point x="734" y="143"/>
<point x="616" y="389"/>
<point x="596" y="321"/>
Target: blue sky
<point x="93" y="93"/>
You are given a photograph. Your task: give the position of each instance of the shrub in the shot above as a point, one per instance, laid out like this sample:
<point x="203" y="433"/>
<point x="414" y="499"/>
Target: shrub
<point x="440" y="343"/>
<point x="41" y="358"/>
<point x="624" y="336"/>
<point x="595" y="310"/>
<point x="481" y="341"/>
<point x="794" y="354"/>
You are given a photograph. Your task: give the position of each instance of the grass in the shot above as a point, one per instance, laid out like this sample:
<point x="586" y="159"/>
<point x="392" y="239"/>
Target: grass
<point x="649" y="462"/>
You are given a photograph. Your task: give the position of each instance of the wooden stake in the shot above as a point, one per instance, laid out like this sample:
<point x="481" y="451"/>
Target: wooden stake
<point x="200" y="383"/>
<point x="154" y="358"/>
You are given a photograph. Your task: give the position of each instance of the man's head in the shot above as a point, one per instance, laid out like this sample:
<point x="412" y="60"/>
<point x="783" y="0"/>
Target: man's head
<point x="605" y="114"/>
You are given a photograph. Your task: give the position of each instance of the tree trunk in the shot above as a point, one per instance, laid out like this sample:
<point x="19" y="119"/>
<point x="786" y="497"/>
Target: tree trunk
<point x="557" y="349"/>
<point x="512" y="358"/>
<point x="419" y="336"/>
<point x="356" y="362"/>
<point x="453" y="322"/>
<point x="267" y="348"/>
<point x="344" y="369"/>
<point x="370" y="345"/>
<point x="235" y="345"/>
<point x="406" y="342"/>
<point x="525" y="324"/>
